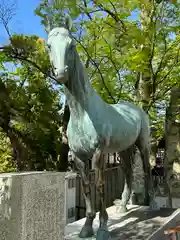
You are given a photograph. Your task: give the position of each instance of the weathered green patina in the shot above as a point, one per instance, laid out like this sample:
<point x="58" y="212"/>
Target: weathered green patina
<point x="95" y="127"/>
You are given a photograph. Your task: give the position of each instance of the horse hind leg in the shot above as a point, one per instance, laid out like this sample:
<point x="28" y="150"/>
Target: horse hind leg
<point x="143" y="146"/>
<point x="127" y="162"/>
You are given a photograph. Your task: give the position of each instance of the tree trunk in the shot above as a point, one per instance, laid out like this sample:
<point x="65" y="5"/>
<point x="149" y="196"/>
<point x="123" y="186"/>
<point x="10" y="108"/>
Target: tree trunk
<point x="145" y="78"/>
<point x="17" y="151"/>
<point x="172" y="143"/>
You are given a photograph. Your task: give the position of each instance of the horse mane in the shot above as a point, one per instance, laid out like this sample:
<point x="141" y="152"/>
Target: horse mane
<point x="78" y="82"/>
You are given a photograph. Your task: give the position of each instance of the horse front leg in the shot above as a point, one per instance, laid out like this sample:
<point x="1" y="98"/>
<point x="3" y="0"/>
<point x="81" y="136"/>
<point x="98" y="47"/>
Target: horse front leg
<point x="102" y="233"/>
<point x="87" y="229"/>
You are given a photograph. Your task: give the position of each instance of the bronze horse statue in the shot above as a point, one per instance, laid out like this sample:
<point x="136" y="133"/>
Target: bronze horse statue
<point x="95" y="127"/>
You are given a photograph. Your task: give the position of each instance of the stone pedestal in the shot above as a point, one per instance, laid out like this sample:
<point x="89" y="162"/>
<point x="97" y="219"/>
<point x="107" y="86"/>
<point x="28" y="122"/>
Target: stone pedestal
<point x="32" y="206"/>
<point x="139" y="223"/>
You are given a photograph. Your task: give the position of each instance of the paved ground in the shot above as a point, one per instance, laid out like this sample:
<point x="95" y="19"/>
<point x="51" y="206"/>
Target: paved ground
<point x="138" y="223"/>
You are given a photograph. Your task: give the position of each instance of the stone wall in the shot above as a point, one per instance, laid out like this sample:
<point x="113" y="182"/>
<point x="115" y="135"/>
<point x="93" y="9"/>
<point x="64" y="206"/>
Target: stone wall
<point x="32" y="206"/>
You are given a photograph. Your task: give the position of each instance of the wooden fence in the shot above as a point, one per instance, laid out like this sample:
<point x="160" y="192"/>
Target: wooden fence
<point x="114" y="181"/>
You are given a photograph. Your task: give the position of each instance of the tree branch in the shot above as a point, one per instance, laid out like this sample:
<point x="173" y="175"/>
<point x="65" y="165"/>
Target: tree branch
<point x="171" y="68"/>
<point x="96" y="65"/>
<point x="14" y="55"/>
<point x="113" y="15"/>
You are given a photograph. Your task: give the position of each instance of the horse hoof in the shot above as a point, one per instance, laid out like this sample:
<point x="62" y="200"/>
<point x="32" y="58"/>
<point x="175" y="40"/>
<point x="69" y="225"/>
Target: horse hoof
<point x="103" y="234"/>
<point x="86" y="232"/>
<point x="123" y="209"/>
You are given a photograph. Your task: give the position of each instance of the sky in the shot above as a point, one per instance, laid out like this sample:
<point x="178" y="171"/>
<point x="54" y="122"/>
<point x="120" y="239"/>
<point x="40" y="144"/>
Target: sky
<point x="25" y="21"/>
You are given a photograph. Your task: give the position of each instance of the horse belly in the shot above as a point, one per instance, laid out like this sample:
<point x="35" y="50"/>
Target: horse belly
<point x="85" y="144"/>
<point x="118" y="146"/>
<point x="122" y="139"/>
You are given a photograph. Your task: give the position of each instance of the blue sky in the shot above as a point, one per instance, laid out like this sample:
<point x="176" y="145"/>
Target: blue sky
<point x="25" y="21"/>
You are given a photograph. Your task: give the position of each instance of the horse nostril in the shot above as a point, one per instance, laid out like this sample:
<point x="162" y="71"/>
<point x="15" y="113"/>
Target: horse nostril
<point x="66" y="68"/>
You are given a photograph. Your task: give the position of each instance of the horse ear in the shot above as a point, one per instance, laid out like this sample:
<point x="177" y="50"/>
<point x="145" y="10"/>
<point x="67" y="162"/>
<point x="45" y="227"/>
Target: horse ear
<point x="48" y="25"/>
<point x="68" y="22"/>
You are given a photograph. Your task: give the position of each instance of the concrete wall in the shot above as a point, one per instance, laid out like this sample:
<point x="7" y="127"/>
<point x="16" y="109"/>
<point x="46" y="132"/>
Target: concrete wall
<point x="32" y="206"/>
<point x="70" y="197"/>
<point x="162" y="202"/>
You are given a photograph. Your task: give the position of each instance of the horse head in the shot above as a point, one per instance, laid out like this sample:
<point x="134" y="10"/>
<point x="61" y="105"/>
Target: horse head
<point x="59" y="45"/>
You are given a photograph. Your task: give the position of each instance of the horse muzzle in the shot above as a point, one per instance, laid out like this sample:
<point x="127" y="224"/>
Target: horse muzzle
<point x="61" y="76"/>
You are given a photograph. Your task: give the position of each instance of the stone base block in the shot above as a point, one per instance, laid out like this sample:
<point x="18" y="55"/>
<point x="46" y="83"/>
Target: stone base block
<point x="139" y="223"/>
<point x="32" y="206"/>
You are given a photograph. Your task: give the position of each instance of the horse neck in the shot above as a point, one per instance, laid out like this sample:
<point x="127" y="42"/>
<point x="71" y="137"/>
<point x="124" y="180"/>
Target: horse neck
<point x="79" y="92"/>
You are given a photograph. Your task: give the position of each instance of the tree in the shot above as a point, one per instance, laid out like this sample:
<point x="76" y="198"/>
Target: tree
<point x="117" y="50"/>
<point x="6" y="163"/>
<point x="33" y="105"/>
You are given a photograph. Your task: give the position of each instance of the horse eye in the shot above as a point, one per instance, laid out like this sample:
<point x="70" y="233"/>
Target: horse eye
<point x="49" y="46"/>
